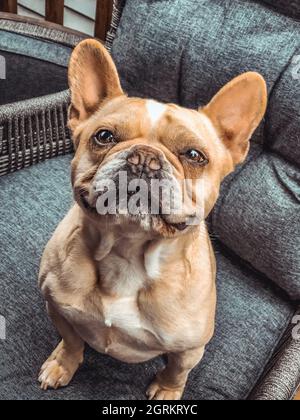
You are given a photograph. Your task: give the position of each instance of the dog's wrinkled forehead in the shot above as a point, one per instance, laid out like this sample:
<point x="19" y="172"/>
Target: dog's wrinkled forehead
<point x="135" y="119"/>
<point x="131" y="117"/>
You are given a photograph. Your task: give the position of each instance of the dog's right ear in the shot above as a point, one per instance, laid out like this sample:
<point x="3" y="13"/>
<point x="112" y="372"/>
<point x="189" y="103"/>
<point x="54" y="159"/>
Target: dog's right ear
<point x="93" y="77"/>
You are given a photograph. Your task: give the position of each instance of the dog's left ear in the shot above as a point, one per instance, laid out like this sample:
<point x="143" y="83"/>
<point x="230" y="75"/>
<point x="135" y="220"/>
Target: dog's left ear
<point x="237" y="110"/>
<point x="93" y="77"/>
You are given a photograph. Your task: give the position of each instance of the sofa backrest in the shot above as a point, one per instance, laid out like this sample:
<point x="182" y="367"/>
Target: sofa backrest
<point x="288" y="7"/>
<point x="184" y="51"/>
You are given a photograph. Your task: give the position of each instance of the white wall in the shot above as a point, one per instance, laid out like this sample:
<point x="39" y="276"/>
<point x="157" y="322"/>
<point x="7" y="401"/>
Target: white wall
<point x="79" y="14"/>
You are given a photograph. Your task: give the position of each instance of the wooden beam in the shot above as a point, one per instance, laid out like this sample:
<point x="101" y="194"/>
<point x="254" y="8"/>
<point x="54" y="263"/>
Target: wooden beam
<point x="42" y="23"/>
<point x="103" y="18"/>
<point x="9" y="6"/>
<point x="55" y="11"/>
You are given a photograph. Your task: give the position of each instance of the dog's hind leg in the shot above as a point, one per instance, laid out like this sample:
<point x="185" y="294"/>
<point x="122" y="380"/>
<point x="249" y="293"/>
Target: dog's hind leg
<point x="63" y="363"/>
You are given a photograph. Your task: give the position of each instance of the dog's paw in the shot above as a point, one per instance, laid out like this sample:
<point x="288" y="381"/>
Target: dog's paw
<point x="158" y="392"/>
<point x="53" y="375"/>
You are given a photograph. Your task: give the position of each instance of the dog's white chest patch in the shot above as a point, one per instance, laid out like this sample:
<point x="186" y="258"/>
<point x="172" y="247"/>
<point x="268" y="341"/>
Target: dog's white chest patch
<point x="156" y="255"/>
<point x="122" y="313"/>
<point x="124" y="278"/>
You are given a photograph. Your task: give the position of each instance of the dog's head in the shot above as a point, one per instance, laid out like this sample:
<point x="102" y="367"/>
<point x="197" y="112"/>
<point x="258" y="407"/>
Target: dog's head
<point x="159" y="165"/>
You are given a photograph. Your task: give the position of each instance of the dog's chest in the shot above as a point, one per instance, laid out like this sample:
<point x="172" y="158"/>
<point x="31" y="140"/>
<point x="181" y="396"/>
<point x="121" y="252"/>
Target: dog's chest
<point x="122" y="313"/>
<point x="124" y="278"/>
<point x="120" y="328"/>
<point x="122" y="275"/>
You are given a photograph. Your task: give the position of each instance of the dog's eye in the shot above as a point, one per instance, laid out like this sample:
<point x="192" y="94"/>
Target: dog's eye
<point x="196" y="156"/>
<point x="104" y="138"/>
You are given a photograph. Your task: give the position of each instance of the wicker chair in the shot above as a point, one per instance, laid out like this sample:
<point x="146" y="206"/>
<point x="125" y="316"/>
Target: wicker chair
<point x="55" y="13"/>
<point x="280" y="379"/>
<point x="34" y="129"/>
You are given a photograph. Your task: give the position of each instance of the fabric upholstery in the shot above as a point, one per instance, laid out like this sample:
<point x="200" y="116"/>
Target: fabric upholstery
<point x="184" y="51"/>
<point x="282" y="129"/>
<point x="258" y="217"/>
<point x="288" y="7"/>
<point x="51" y="52"/>
<point x="251" y="318"/>
<point x="280" y="380"/>
<point x="29" y="78"/>
<point x="214" y="41"/>
<point x="34" y="67"/>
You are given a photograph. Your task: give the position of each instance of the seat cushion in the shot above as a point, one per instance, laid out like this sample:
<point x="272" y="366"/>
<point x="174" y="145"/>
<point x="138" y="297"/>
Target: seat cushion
<point x="290" y="8"/>
<point x="252" y="314"/>
<point x="34" y="67"/>
<point x="258" y="217"/>
<point x="282" y="129"/>
<point x="184" y="51"/>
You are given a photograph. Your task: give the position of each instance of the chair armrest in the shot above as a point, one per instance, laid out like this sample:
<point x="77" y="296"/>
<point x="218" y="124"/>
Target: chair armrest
<point x="281" y="378"/>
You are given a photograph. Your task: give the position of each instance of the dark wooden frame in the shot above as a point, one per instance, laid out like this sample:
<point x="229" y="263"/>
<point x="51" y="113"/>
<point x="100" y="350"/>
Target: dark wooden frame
<point x="55" y="13"/>
<point x="103" y="18"/>
<point x="40" y="22"/>
<point x="9" y="6"/>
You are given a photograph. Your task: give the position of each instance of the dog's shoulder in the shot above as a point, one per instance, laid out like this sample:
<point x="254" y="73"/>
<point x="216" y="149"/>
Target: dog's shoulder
<point x="65" y="250"/>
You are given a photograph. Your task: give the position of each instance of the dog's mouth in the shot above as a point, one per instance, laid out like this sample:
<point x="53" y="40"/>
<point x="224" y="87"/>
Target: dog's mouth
<point x="121" y="191"/>
<point x="180" y="227"/>
<point x="85" y="203"/>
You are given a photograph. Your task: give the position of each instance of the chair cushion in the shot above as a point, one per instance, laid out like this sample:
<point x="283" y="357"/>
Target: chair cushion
<point x="251" y="317"/>
<point x="282" y="129"/>
<point x="34" y="67"/>
<point x="290" y="7"/>
<point x="184" y="51"/>
<point x="258" y="217"/>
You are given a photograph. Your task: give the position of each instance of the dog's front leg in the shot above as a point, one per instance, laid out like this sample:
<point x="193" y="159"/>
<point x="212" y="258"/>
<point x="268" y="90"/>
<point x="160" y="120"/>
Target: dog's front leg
<point x="170" y="383"/>
<point x="61" y="366"/>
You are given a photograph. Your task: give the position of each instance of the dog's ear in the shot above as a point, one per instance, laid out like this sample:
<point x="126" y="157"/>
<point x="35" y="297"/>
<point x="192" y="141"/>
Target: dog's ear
<point x="93" y="77"/>
<point x="237" y="110"/>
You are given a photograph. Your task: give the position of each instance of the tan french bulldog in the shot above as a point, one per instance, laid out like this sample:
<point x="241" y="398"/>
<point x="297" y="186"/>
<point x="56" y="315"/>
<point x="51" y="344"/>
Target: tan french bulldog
<point x="136" y="286"/>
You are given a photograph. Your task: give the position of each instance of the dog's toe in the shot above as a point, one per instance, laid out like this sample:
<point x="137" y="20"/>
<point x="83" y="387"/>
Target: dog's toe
<point x="53" y="375"/>
<point x="159" y="393"/>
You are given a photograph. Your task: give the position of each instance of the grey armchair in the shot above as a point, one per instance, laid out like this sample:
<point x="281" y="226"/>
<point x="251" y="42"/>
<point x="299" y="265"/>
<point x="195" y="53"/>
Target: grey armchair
<point x="183" y="51"/>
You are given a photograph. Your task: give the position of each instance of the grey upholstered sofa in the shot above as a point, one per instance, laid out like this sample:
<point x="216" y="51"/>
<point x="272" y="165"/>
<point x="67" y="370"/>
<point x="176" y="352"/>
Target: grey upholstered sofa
<point x="183" y="51"/>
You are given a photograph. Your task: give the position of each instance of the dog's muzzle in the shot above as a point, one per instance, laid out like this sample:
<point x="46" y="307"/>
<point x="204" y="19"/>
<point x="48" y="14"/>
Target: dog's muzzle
<point x="146" y="161"/>
<point x="140" y="169"/>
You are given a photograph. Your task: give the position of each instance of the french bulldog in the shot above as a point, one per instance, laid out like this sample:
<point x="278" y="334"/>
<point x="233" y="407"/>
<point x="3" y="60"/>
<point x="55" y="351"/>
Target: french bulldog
<point x="136" y="285"/>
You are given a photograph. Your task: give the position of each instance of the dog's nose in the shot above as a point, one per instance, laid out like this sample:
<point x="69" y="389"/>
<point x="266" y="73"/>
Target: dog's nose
<point x="144" y="159"/>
